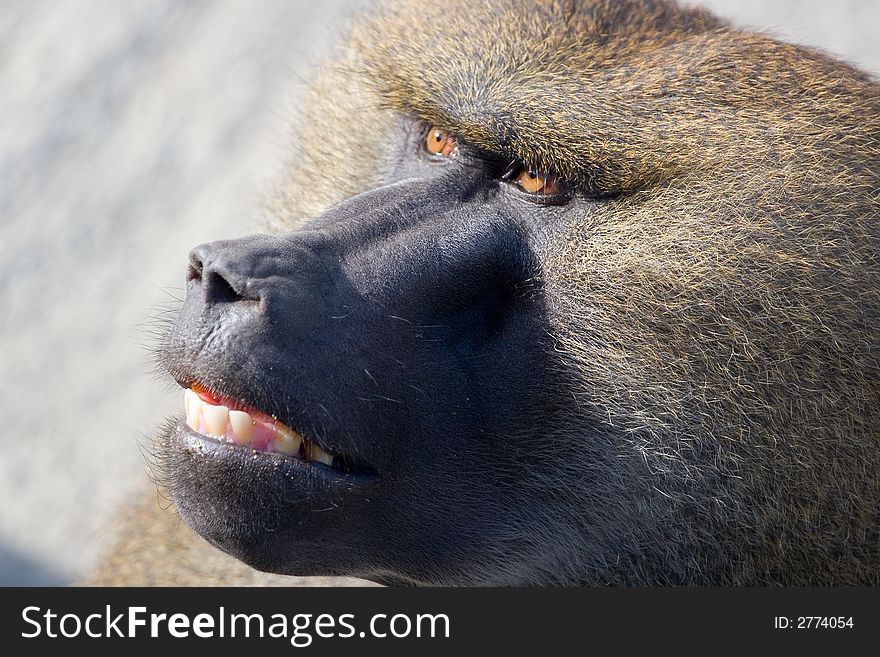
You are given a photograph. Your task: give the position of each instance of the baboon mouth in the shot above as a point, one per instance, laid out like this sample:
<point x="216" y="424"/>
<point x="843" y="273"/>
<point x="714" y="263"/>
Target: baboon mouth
<point x="226" y="420"/>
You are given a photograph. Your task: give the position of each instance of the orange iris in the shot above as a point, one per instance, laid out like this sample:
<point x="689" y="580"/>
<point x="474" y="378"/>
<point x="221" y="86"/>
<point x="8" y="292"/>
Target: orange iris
<point x="440" y="142"/>
<point x="537" y="183"/>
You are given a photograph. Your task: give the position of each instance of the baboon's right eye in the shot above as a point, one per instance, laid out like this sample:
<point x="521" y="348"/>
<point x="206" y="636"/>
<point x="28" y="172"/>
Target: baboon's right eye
<point x="440" y="142"/>
<point x="533" y="182"/>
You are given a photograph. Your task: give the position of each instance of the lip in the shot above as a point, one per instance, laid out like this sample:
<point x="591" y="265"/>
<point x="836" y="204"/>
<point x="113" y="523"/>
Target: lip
<point x="248" y="460"/>
<point x="275" y="513"/>
<point x="341" y="462"/>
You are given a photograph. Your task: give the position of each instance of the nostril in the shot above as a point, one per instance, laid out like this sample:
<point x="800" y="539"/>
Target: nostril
<point x="196" y="265"/>
<point x="218" y="280"/>
<point x="218" y="289"/>
<point x="194" y="273"/>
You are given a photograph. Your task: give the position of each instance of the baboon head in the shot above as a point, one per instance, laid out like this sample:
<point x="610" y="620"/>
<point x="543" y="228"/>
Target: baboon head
<point x="562" y="292"/>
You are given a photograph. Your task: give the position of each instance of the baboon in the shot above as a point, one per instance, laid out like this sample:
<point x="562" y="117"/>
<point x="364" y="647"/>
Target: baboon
<point x="562" y="293"/>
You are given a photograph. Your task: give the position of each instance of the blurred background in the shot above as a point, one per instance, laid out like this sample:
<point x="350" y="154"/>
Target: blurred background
<point x="130" y="131"/>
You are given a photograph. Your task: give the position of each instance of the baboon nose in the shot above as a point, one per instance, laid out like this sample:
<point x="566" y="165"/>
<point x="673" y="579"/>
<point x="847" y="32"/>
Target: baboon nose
<point x="213" y="272"/>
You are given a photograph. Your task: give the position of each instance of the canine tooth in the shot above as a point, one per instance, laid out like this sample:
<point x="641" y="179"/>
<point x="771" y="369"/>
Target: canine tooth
<point x="216" y="419"/>
<point x="315" y="453"/>
<point x="186" y="393"/>
<point x="287" y="441"/>
<point x="242" y="426"/>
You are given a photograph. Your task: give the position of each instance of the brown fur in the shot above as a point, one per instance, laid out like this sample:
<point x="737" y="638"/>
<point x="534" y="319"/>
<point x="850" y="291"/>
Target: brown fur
<point x="722" y="310"/>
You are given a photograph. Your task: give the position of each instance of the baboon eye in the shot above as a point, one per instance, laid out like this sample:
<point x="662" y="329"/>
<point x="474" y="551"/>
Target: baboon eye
<point x="535" y="182"/>
<point x="440" y="142"/>
<point x="539" y="187"/>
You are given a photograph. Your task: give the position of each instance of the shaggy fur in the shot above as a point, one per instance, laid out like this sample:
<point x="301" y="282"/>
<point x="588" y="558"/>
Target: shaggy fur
<point x="714" y="314"/>
<point x="722" y="313"/>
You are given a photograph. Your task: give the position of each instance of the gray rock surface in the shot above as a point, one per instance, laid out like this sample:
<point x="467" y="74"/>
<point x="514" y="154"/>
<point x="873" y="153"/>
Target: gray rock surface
<point x="131" y="131"/>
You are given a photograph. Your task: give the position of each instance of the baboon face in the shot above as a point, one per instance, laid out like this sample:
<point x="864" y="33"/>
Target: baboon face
<point x="577" y="293"/>
<point x="405" y="333"/>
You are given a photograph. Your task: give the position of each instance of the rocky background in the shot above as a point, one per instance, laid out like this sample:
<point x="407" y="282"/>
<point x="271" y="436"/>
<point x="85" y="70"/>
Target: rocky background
<point x="130" y="131"/>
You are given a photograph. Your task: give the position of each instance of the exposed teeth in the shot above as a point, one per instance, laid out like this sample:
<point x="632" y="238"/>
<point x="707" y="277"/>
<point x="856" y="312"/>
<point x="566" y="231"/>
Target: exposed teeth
<point x="243" y="426"/>
<point x="287" y="441"/>
<point x="193" y="407"/>
<point x="259" y="431"/>
<point x="216" y="418"/>
<point x="315" y="453"/>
